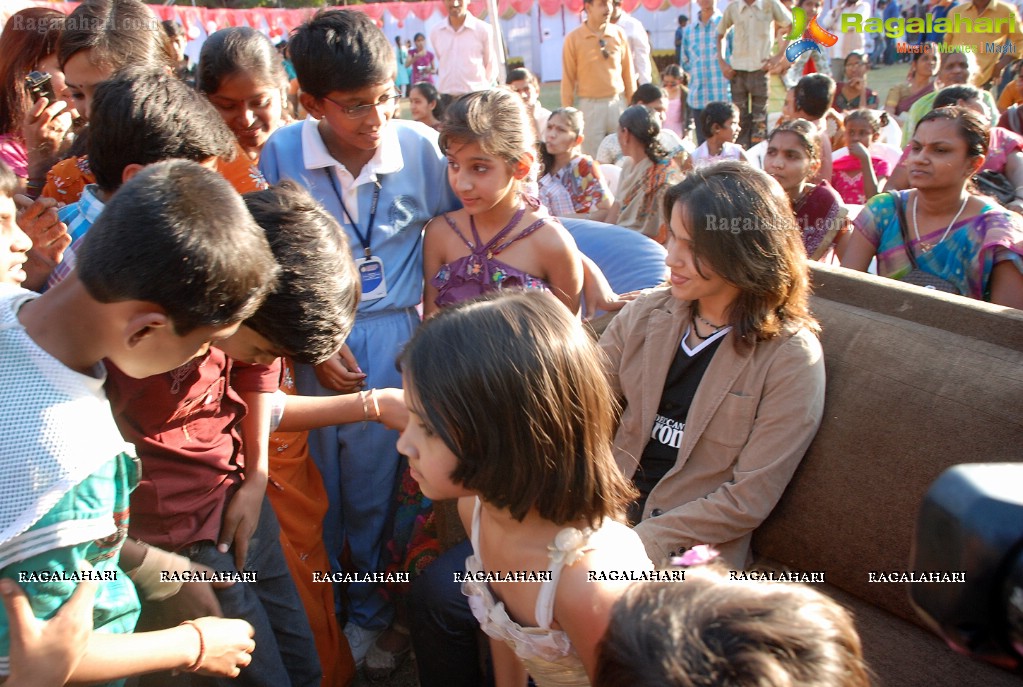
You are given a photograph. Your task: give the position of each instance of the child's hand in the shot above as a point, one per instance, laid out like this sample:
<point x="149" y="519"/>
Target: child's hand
<point x="38" y="219"/>
<point x="228" y="646"/>
<point x="47" y="652"/>
<point x="240" y="520"/>
<point x="860" y="152"/>
<point x="393" y="411"/>
<point x="341" y="372"/>
<point x="193" y="600"/>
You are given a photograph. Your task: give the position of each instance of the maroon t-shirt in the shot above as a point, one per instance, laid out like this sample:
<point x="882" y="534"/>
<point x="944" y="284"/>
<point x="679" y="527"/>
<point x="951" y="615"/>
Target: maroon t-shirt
<point x="185" y="428"/>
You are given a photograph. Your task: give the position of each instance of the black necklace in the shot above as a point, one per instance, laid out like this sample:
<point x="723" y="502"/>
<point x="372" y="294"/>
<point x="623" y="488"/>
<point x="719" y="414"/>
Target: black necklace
<point x="696" y="332"/>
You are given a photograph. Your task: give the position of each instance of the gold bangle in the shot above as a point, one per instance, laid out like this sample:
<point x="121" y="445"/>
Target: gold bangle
<point x="365" y="409"/>
<point x="376" y="405"/>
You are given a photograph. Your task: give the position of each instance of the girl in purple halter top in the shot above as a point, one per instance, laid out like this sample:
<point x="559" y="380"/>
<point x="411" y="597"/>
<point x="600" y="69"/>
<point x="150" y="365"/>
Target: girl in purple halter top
<point x="489" y="141"/>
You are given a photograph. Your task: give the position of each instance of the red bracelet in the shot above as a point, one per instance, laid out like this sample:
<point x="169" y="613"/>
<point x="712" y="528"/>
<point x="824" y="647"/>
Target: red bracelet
<point x="202" y="647"/>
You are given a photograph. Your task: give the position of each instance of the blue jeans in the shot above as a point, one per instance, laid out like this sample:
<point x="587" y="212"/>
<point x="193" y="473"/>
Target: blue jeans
<point x="445" y="634"/>
<point x="285" y="652"/>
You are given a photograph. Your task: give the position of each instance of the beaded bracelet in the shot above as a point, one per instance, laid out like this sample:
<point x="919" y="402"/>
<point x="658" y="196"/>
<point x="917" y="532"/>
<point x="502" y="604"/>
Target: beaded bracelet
<point x="202" y="648"/>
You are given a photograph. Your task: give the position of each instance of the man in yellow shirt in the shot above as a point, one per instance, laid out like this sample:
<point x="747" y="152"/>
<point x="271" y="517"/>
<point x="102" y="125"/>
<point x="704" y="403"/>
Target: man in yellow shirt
<point x="596" y="66"/>
<point x="992" y="27"/>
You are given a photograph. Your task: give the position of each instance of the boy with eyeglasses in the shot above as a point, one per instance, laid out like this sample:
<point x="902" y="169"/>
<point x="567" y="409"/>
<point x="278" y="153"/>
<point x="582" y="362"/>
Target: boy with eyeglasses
<point x="597" y="78"/>
<point x="382" y="180"/>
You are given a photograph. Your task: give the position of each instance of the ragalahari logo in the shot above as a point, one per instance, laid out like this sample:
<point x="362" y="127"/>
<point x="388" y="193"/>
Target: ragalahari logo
<point x="814" y="36"/>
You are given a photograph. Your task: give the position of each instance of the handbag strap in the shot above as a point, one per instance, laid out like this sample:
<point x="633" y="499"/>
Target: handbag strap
<point x="900" y="211"/>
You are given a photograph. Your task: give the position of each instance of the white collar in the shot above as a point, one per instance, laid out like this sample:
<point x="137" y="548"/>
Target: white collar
<point x="386" y="160"/>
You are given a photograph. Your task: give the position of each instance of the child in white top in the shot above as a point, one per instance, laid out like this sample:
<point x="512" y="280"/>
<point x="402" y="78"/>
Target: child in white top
<point x="720" y="123"/>
<point x="518" y="420"/>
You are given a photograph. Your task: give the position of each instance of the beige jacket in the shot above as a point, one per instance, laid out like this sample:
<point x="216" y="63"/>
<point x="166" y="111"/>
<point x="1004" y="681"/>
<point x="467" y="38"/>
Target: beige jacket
<point x="753" y="417"/>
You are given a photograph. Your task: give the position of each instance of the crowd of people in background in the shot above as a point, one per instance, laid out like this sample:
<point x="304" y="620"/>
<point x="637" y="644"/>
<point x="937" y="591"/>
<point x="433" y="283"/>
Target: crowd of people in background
<point x="286" y="329"/>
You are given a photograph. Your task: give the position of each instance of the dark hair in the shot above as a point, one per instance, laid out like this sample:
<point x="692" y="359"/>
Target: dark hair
<point x="522" y="401"/>
<point x="856" y="53"/>
<point x="236" y="50"/>
<point x="876" y="120"/>
<point x="119" y="33"/>
<point x="143" y="116"/>
<point x="432" y="95"/>
<point x="814" y="94"/>
<point x="8" y="182"/>
<point x="173" y="29"/>
<point x="340" y="50"/>
<point x="716" y="113"/>
<point x="496" y="119"/>
<point x="177" y="235"/>
<point x="574" y="119"/>
<point x="641" y="122"/>
<point x="972" y="128"/>
<point x="673" y="70"/>
<point x="417" y="37"/>
<point x="741" y="224"/>
<point x="522" y="74"/>
<point x="807" y="134"/>
<point x="647" y="93"/>
<point x="709" y="631"/>
<point x="931" y="50"/>
<point x="312" y="309"/>
<point x="951" y="95"/>
<point x="29" y="36"/>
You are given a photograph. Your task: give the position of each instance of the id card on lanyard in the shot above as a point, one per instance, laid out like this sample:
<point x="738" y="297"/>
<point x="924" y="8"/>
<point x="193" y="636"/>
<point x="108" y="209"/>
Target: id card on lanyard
<point x="371" y="267"/>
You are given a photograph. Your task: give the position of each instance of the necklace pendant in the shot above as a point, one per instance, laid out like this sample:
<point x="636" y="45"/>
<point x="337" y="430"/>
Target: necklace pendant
<point x="926" y="247"/>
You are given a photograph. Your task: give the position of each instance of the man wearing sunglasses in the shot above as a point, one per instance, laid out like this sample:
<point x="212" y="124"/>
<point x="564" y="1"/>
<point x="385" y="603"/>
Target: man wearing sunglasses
<point x="597" y="74"/>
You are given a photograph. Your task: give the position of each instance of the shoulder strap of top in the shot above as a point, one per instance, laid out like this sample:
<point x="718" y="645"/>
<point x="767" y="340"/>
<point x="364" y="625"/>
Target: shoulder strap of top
<point x="454" y="228"/>
<point x="474" y="533"/>
<point x="569" y="545"/>
<point x="523" y="234"/>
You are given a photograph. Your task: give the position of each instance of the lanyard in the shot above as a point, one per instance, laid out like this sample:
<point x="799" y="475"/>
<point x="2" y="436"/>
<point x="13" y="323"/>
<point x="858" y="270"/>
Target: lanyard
<point x="367" y="238"/>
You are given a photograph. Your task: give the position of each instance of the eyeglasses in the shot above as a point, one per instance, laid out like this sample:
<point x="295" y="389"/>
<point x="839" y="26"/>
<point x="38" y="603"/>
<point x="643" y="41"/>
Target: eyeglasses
<point x="360" y="111"/>
<point x="603" y="49"/>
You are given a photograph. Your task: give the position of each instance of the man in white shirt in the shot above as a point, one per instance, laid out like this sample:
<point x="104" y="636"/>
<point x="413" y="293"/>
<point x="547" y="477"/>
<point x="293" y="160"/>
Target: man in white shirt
<point x="464" y="48"/>
<point x="639" y="41"/>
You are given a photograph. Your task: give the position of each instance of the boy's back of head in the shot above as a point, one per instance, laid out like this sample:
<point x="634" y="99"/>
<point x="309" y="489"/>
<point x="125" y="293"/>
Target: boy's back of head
<point x="311" y="311"/>
<point x="142" y="116"/>
<point x="178" y="236"/>
<point x="712" y="631"/>
<point x="340" y="50"/>
<point x="814" y="94"/>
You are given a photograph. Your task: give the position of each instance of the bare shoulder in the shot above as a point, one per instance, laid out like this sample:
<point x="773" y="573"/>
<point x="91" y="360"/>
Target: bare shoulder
<point x="552" y="233"/>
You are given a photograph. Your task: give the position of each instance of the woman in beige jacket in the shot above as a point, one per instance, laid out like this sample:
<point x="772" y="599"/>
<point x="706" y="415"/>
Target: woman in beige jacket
<point x="720" y="373"/>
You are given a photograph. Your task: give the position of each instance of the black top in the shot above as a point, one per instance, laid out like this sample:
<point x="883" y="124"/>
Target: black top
<point x="680" y="387"/>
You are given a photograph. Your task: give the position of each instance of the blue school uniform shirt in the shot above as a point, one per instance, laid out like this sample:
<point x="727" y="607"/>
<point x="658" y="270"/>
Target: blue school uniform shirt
<point x="413" y="189"/>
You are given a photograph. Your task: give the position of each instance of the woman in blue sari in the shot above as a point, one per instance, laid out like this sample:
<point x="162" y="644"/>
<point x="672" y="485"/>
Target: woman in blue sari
<point x="938" y="233"/>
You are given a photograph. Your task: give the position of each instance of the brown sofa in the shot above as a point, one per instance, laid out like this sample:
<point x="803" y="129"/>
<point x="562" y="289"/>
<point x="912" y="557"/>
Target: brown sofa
<point x="918" y="381"/>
